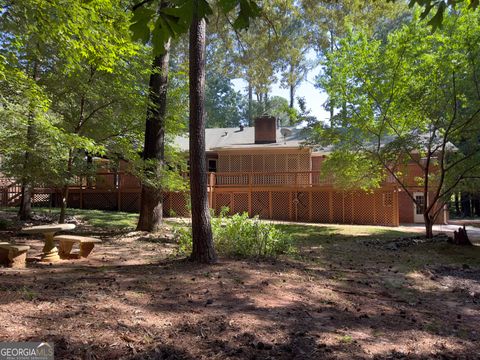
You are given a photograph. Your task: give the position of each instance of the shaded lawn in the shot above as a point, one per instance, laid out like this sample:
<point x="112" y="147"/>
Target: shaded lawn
<point x="96" y="218"/>
<point x="343" y="295"/>
<point x="360" y="246"/>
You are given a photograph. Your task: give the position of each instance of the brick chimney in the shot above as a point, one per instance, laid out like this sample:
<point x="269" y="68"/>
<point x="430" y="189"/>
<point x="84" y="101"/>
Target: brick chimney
<point x="265" y="130"/>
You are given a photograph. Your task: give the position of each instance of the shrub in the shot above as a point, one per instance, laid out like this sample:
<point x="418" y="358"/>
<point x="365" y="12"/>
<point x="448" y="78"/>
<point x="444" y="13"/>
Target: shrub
<point x="240" y="235"/>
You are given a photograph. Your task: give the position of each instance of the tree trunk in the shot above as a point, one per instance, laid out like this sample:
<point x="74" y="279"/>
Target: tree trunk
<point x="250" y="105"/>
<point x="466" y="210"/>
<point x="151" y="206"/>
<point x="428" y="226"/>
<point x="65" y="189"/>
<point x="63" y="205"/>
<point x="202" y="241"/>
<point x="292" y="87"/>
<point x="25" y="211"/>
<point x="457" y="204"/>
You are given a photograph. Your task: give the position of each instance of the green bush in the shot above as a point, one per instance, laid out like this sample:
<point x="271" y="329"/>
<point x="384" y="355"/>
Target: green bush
<point x="240" y="235"/>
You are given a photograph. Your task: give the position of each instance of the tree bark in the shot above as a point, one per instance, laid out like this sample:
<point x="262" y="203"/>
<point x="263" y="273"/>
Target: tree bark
<point x="65" y="189"/>
<point x="457" y="204"/>
<point x="202" y="240"/>
<point x="292" y="87"/>
<point x="151" y="205"/>
<point x="25" y="210"/>
<point x="63" y="205"/>
<point x="428" y="226"/>
<point x="250" y="104"/>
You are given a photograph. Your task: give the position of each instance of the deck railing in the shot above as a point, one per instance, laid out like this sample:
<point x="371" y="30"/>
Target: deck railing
<point x="110" y="181"/>
<point x="256" y="179"/>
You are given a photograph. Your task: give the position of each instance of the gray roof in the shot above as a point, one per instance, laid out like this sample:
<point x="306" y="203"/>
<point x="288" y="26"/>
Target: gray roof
<point x="234" y="138"/>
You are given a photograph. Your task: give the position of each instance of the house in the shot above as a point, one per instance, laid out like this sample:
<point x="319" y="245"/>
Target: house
<point x="264" y="170"/>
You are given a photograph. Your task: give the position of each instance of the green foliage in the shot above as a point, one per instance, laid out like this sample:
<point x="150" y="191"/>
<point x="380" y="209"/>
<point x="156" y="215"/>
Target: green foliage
<point x="158" y="25"/>
<point x="240" y="235"/>
<point x="411" y="98"/>
<point x="440" y="7"/>
<point x="224" y="107"/>
<point x="276" y="106"/>
<point x="73" y="83"/>
<point x="350" y="170"/>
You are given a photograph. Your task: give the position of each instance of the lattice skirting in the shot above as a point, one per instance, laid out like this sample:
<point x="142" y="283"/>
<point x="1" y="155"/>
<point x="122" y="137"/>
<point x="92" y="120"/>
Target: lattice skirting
<point x="319" y="206"/>
<point x="380" y="207"/>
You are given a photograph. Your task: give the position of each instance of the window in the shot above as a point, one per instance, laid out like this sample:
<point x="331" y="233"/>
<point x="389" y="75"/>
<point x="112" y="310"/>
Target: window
<point x="212" y="165"/>
<point x="420" y="199"/>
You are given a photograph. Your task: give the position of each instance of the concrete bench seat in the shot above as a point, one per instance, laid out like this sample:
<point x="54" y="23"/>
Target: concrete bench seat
<point x="66" y="243"/>
<point x="13" y="255"/>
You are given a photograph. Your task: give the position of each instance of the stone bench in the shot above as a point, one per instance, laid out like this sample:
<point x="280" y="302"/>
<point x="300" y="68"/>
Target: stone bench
<point x="13" y="255"/>
<point x="66" y="243"/>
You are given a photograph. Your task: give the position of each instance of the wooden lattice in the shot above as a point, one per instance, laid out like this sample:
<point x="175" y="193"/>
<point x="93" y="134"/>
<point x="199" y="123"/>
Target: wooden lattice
<point x="261" y="162"/>
<point x="246" y="163"/>
<point x="302" y="206"/>
<point x="100" y="200"/>
<point x="42" y="200"/>
<point x="348" y="207"/>
<point x="337" y="207"/>
<point x="281" y="204"/>
<point x="258" y="163"/>
<point x="178" y="203"/>
<point x="269" y="163"/>
<point x="320" y="207"/>
<point x="261" y="204"/>
<point x="166" y="205"/>
<point x="363" y="208"/>
<point x="240" y="203"/>
<point x="130" y="202"/>
<point x="384" y="215"/>
<point x="223" y="200"/>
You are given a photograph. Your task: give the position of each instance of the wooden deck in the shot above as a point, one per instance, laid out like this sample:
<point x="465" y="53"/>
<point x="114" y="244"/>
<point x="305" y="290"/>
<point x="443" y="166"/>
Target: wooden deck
<point x="295" y="196"/>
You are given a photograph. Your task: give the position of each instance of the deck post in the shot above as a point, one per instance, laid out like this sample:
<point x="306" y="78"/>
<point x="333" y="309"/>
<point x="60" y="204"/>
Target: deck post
<point x="119" y="193"/>
<point x="396" y="220"/>
<point x="250" y="194"/>
<point x="211" y="187"/>
<point x="81" y="193"/>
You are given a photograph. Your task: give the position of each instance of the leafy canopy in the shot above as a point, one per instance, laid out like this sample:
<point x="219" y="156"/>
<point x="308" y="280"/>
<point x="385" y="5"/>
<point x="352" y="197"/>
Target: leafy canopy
<point x="158" y="24"/>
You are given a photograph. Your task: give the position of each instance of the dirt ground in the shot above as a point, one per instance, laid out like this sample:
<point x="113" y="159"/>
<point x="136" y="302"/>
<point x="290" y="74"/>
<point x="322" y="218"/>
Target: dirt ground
<point x="338" y="298"/>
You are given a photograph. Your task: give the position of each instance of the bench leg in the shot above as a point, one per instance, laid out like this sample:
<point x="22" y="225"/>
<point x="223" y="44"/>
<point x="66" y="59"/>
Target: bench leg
<point x="86" y="249"/>
<point x="65" y="248"/>
<point x="17" y="259"/>
<point x="50" y="251"/>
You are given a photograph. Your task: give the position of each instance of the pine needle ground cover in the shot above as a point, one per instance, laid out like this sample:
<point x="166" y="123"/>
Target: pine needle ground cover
<point x="346" y="292"/>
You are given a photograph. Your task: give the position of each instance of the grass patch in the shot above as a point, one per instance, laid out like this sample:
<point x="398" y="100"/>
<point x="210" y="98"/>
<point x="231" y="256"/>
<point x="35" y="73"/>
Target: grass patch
<point x="325" y="234"/>
<point x="97" y="218"/>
